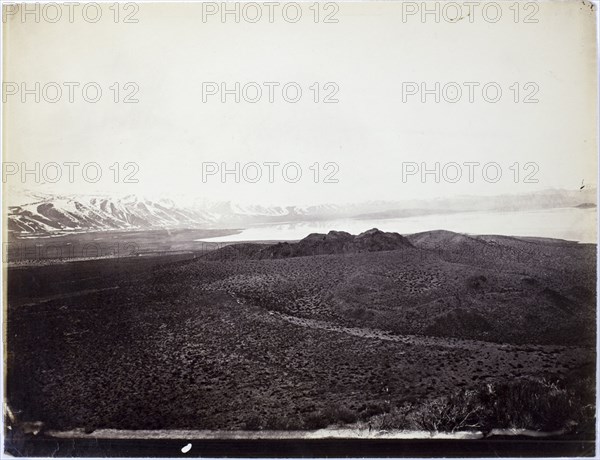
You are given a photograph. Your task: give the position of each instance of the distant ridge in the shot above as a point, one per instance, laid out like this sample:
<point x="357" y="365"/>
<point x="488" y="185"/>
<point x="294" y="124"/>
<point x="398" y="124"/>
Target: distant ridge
<point x="32" y="213"/>
<point x="334" y="242"/>
<point x="586" y="205"/>
<point x="453" y="246"/>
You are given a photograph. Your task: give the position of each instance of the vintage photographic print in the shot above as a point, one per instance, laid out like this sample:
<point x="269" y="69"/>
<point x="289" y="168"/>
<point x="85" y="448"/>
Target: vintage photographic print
<point x="299" y="229"/>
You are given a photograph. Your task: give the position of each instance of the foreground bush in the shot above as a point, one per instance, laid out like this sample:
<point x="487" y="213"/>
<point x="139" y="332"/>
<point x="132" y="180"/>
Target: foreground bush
<point x="534" y="404"/>
<point x="330" y="415"/>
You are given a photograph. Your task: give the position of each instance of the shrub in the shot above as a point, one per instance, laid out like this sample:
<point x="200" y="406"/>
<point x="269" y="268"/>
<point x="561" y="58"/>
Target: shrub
<point x="332" y="414"/>
<point x="254" y="423"/>
<point x="461" y="411"/>
<point x="340" y="414"/>
<point x="393" y="420"/>
<point x="284" y="422"/>
<point x="372" y="409"/>
<point x="316" y="421"/>
<point x="534" y="404"/>
<point x="539" y="405"/>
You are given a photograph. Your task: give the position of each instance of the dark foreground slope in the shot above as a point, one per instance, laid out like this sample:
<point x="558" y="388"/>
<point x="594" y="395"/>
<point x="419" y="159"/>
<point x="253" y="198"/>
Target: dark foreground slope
<point x="361" y="334"/>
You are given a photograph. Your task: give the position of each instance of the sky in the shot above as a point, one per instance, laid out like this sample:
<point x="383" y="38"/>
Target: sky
<point x="372" y="58"/>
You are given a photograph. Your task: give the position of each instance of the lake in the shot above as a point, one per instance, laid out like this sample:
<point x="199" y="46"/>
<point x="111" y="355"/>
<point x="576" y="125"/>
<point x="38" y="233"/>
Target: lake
<point x="564" y="223"/>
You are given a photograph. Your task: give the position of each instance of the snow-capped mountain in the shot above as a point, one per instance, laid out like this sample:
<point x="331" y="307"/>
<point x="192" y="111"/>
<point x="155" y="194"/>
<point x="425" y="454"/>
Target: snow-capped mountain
<point x="35" y="213"/>
<point x="46" y="213"/>
<point x="31" y="213"/>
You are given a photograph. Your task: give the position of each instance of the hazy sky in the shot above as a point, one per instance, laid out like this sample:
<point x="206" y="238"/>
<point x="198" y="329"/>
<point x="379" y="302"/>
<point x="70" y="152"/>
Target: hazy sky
<point x="369" y="53"/>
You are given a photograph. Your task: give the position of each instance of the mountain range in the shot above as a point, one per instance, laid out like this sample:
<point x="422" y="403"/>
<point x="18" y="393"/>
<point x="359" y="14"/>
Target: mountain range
<point x="37" y="213"/>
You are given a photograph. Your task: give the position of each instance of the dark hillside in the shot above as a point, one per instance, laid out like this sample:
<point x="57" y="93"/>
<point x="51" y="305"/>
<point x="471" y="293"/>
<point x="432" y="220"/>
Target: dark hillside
<point x="383" y="326"/>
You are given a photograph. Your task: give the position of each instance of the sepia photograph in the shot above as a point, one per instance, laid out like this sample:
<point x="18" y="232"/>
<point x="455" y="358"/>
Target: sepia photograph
<point x="299" y="229"/>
